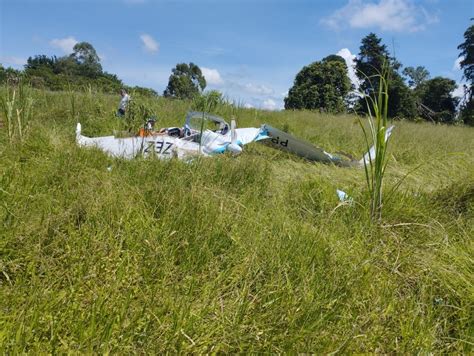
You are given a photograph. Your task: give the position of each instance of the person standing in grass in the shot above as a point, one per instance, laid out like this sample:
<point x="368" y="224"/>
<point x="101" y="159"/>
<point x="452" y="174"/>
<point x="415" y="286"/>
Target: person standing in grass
<point x="123" y="103"/>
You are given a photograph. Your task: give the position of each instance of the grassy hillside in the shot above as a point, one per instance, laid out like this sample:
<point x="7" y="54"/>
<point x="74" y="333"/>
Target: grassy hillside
<point x="248" y="253"/>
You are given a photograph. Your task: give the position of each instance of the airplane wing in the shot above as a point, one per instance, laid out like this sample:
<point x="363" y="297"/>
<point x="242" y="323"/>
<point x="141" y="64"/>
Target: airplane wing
<point x="250" y="134"/>
<point x="286" y="142"/>
<point x="116" y="147"/>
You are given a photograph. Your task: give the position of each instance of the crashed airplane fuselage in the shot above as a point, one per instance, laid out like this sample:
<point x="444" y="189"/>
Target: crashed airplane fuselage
<point x="195" y="139"/>
<point x="191" y="140"/>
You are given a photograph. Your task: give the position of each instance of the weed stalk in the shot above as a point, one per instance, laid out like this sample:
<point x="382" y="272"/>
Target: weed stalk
<point x="20" y="102"/>
<point x="375" y="166"/>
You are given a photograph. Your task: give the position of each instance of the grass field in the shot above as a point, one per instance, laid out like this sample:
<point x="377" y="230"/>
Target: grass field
<point x="252" y="253"/>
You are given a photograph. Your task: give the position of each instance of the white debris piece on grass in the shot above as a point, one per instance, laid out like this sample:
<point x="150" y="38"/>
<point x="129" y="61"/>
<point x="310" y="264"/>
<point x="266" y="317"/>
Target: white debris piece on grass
<point x="343" y="197"/>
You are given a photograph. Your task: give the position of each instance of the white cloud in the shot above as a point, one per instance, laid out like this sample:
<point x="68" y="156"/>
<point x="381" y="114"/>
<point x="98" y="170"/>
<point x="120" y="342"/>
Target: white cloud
<point x="249" y="88"/>
<point x="269" y="104"/>
<point x="17" y="61"/>
<point x="246" y="93"/>
<point x="64" y="44"/>
<point x="459" y="91"/>
<point x="350" y="62"/>
<point x="213" y="77"/>
<point x="149" y="43"/>
<point x="457" y="63"/>
<point x="387" y="15"/>
<point x="147" y="76"/>
<point x="258" y="89"/>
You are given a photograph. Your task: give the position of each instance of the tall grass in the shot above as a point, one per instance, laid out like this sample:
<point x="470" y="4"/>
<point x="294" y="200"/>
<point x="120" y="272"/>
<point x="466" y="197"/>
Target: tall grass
<point x="374" y="167"/>
<point x="208" y="102"/>
<point x="231" y="254"/>
<point x="16" y="105"/>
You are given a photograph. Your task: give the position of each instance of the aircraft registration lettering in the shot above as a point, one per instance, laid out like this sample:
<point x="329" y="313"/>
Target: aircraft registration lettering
<point x="160" y="147"/>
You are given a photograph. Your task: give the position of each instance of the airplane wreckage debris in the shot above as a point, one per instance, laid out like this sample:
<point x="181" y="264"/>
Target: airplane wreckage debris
<point x="196" y="138"/>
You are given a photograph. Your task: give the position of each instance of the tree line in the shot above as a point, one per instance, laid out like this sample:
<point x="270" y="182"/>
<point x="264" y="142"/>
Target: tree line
<point x="322" y="85"/>
<point x="79" y="70"/>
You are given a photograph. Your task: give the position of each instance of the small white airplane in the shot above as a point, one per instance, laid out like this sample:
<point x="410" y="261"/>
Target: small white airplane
<point x="196" y="138"/>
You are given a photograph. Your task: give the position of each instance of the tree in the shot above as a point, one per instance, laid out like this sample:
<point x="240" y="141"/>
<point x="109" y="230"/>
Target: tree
<point x="467" y="112"/>
<point x="467" y="65"/>
<point x="320" y="85"/>
<point x="40" y="61"/>
<point x="77" y="71"/>
<point x="185" y="82"/>
<point x="84" y="61"/>
<point x="401" y="100"/>
<point x="3" y="74"/>
<point x="372" y="57"/>
<point x="436" y="94"/>
<point x="9" y="75"/>
<point x="85" y="55"/>
<point x="374" y="60"/>
<point x="416" y="76"/>
<point x="334" y="58"/>
<point x="69" y="66"/>
<point x="467" y="54"/>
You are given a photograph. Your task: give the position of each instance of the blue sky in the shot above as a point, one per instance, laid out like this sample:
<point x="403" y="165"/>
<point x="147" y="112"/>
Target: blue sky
<point x="249" y="50"/>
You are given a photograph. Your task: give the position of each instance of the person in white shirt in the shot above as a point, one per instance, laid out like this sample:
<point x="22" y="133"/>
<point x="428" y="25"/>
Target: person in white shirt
<point x="123" y="103"/>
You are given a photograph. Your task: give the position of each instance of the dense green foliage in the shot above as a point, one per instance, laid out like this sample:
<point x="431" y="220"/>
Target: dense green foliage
<point x="373" y="60"/>
<point x="467" y="65"/>
<point x="467" y="111"/>
<point x="86" y="58"/>
<point x="320" y="86"/>
<point x="79" y="71"/>
<point x="253" y="253"/>
<point x="436" y="94"/>
<point x="185" y="82"/>
<point x="416" y="76"/>
<point x="467" y="54"/>
<point x="372" y="57"/>
<point x="8" y="74"/>
<point x="401" y="101"/>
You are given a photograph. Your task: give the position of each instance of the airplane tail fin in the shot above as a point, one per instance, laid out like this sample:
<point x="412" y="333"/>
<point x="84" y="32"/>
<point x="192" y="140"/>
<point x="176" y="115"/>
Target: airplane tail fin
<point x="80" y="139"/>
<point x="78" y="131"/>
<point x="233" y="146"/>
<point x="233" y="134"/>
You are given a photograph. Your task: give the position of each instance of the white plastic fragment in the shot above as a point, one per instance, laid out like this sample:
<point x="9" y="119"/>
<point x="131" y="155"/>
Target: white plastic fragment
<point x="343" y="197"/>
